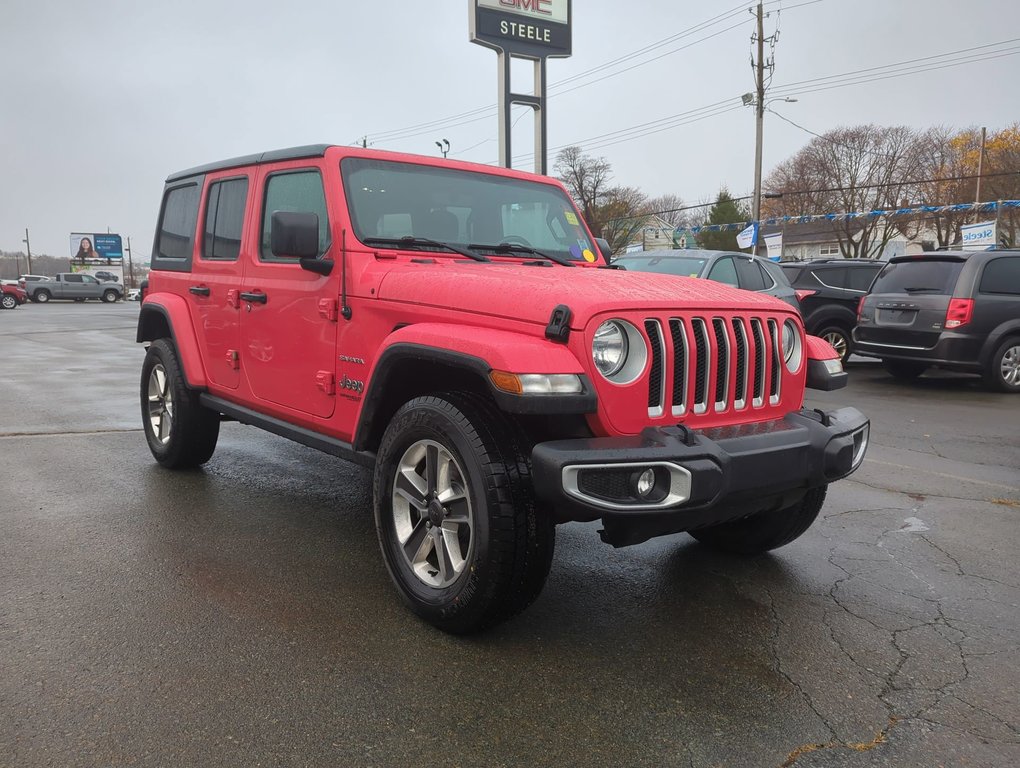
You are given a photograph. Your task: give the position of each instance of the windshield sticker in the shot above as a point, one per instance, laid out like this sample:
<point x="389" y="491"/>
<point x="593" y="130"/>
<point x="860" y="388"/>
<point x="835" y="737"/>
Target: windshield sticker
<point x="589" y="256"/>
<point x="571" y="218"/>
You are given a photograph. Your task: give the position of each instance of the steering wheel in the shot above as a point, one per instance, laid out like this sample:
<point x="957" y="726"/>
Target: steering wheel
<point x="516" y="240"/>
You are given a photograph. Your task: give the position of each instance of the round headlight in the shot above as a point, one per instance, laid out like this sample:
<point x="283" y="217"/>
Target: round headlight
<point x="789" y="340"/>
<point x="609" y="348"/>
<point x="793" y="346"/>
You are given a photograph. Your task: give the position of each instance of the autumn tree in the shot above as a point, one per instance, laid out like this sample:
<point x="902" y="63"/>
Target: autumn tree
<point x="860" y="168"/>
<point x="725" y="211"/>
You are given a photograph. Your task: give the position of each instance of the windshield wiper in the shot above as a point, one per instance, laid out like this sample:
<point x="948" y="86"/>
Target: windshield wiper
<point x="920" y="289"/>
<point x="409" y="241"/>
<point x="516" y="248"/>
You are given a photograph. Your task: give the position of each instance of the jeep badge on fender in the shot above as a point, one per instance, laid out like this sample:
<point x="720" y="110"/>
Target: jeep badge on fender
<point x="656" y="404"/>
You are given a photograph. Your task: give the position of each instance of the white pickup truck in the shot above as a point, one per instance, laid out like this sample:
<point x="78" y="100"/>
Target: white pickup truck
<point x="69" y="285"/>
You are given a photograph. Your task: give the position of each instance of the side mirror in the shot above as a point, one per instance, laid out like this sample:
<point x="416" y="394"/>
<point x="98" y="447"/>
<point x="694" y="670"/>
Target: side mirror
<point x="607" y="252"/>
<point x="294" y="235"/>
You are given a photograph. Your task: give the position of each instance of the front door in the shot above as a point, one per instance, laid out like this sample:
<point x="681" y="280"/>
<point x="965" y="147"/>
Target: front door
<point x="288" y="314"/>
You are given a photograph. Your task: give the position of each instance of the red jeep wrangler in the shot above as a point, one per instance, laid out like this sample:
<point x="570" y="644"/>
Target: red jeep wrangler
<point x="455" y="327"/>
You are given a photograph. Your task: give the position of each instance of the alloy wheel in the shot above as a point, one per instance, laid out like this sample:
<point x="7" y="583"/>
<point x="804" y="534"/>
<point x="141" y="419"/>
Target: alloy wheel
<point x="1009" y="368"/>
<point x="432" y="514"/>
<point x="161" y="404"/>
<point x="838" y="342"/>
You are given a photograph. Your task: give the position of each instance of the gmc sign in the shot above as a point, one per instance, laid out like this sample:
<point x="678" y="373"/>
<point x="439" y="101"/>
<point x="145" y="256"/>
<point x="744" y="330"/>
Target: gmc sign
<point x="532" y="28"/>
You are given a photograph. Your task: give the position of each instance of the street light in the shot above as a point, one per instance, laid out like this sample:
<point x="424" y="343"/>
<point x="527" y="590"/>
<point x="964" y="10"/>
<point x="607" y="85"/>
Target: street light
<point x="28" y="248"/>
<point x="443" y="149"/>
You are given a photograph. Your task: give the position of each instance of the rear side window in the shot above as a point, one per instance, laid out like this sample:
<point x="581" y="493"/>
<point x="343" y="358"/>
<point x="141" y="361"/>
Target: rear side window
<point x="860" y="278"/>
<point x="920" y="276"/>
<point x="833" y="277"/>
<point x="73" y="279"/>
<point x="1002" y="276"/>
<point x="750" y="275"/>
<point x="294" y="191"/>
<point x="175" y="236"/>
<point x="224" y="217"/>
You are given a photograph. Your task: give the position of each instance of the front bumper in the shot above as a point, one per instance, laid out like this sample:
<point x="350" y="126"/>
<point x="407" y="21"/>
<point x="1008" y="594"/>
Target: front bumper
<point x="700" y="478"/>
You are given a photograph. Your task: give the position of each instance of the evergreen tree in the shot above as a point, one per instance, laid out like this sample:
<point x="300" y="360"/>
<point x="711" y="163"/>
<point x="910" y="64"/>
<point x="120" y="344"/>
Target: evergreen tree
<point x="725" y="211"/>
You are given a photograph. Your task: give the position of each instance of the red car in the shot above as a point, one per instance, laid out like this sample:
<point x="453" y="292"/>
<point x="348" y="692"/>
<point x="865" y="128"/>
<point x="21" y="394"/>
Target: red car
<point x="12" y="296"/>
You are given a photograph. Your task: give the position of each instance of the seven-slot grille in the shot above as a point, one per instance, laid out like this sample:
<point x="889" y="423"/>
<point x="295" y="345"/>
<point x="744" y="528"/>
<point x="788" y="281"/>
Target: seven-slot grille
<point x="718" y="364"/>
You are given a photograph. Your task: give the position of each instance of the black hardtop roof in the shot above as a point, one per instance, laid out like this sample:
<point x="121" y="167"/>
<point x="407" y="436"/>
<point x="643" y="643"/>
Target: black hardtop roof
<point x="292" y="153"/>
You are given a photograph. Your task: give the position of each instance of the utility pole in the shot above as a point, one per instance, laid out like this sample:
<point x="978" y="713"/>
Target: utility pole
<point x="759" y="115"/>
<point x="28" y="247"/>
<point x="981" y="162"/>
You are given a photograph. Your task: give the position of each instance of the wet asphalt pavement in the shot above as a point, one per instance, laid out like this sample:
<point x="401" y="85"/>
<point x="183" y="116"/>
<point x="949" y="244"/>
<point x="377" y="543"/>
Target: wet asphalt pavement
<point x="242" y="616"/>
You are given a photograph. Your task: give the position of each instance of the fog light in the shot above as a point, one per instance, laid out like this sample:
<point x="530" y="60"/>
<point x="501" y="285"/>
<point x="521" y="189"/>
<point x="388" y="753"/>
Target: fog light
<point x="645" y="483"/>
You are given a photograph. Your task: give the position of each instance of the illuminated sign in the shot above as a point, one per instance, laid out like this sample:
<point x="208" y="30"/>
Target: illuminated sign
<point x="531" y="28"/>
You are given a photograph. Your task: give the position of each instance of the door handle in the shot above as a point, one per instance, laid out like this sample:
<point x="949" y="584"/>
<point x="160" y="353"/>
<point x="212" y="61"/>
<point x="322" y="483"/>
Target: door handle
<point x="255" y="298"/>
<point x="199" y="290"/>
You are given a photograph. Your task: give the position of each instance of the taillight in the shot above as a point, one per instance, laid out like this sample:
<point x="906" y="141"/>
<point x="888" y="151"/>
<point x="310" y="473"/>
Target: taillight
<point x="803" y="293"/>
<point x="860" y="308"/>
<point x="959" y="312"/>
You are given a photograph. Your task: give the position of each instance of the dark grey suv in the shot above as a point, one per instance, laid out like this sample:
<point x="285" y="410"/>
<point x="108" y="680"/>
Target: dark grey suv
<point x="951" y="309"/>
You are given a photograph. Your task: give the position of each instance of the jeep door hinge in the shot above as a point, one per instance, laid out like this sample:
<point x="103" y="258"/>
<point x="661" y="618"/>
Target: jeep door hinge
<point x="325" y="381"/>
<point x="328" y="309"/>
<point x="233" y="359"/>
<point x="234" y="298"/>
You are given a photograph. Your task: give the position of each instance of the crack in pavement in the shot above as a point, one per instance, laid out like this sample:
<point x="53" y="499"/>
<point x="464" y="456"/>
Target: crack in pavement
<point x="864" y="746"/>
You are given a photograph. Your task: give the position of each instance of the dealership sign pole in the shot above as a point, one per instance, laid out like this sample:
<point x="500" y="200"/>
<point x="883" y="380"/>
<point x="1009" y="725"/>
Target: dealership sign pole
<point x="535" y="30"/>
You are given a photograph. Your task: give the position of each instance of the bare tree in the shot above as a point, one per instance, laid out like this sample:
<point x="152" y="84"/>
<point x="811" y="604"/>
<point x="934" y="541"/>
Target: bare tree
<point x="846" y="170"/>
<point x="615" y="213"/>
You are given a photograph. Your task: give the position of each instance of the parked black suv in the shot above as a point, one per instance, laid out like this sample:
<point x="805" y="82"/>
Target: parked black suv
<point x="951" y="309"/>
<point x="830" y="291"/>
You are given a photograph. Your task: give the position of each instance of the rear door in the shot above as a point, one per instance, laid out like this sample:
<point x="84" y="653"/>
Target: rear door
<point x="908" y="301"/>
<point x="216" y="272"/>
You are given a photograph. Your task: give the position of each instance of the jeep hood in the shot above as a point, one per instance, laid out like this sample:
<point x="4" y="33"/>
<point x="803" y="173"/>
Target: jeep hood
<point x="531" y="293"/>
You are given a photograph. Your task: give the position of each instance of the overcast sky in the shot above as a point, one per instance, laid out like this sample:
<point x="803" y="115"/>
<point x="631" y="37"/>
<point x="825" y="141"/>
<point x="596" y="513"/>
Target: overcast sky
<point x="102" y="100"/>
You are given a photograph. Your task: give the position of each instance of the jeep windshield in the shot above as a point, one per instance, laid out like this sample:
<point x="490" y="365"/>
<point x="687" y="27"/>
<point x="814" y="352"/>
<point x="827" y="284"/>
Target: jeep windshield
<point x="394" y="203"/>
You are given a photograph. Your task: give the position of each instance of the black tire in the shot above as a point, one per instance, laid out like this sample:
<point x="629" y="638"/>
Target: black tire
<point x="839" y="338"/>
<point x="1003" y="372"/>
<point x="512" y="542"/>
<point x="187" y="430"/>
<point x="110" y="296"/>
<point x="765" y="530"/>
<point x="904" y="370"/>
<point x="8" y="301"/>
<point x="42" y="296"/>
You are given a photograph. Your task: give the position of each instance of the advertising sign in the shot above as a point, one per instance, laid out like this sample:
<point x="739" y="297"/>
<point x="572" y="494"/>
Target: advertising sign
<point x="113" y="273"/>
<point x="978" y="237"/>
<point x="774" y="244"/>
<point x="89" y="248"/>
<point x="531" y="28"/>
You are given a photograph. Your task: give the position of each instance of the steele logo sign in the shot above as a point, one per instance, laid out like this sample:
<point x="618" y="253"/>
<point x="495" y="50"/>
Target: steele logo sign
<point x="532" y="28"/>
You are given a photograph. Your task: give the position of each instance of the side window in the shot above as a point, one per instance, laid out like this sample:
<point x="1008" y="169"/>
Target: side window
<point x="224" y="217"/>
<point x="723" y="271"/>
<point x="749" y="274"/>
<point x="833" y="277"/>
<point x="73" y="279"/>
<point x="861" y="278"/>
<point x="1001" y="276"/>
<point x="175" y="236"/>
<point x="294" y="191"/>
<point x="89" y="279"/>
